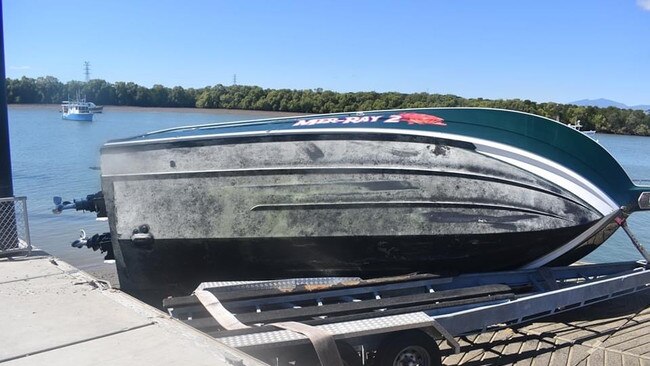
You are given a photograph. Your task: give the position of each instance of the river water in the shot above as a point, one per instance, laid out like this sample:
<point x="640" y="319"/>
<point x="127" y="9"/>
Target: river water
<point x="54" y="157"/>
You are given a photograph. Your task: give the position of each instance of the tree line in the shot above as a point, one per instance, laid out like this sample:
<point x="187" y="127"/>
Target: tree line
<point x="49" y="89"/>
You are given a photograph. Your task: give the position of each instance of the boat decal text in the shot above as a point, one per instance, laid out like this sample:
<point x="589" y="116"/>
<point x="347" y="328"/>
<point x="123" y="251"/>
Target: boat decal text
<point x="410" y="118"/>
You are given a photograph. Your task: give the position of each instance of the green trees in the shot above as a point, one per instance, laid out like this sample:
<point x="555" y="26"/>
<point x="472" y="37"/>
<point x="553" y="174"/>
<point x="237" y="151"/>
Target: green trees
<point x="50" y="90"/>
<point x="24" y="90"/>
<point x="179" y="97"/>
<point x="98" y="91"/>
<point x="124" y="93"/>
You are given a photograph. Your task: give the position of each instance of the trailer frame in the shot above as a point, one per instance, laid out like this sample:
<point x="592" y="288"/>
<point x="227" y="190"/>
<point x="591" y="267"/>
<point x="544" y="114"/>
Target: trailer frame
<point x="536" y="293"/>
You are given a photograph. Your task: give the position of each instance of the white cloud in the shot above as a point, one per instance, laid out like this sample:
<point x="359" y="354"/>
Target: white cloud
<point x="27" y="67"/>
<point x="644" y="4"/>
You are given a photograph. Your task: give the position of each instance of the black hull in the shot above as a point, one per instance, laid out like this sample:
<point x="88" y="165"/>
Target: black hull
<point x="176" y="267"/>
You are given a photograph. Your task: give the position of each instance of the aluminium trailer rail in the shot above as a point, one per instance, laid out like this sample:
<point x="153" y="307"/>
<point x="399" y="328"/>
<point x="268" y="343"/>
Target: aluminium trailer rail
<point x="388" y="321"/>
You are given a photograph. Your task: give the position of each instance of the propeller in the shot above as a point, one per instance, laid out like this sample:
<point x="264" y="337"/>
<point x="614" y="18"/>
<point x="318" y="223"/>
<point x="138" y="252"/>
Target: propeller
<point x="81" y="242"/>
<point x="60" y="205"/>
<point x="101" y="242"/>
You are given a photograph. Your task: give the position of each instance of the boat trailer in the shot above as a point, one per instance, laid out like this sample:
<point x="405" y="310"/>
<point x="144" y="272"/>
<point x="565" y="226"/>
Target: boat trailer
<point x="393" y="320"/>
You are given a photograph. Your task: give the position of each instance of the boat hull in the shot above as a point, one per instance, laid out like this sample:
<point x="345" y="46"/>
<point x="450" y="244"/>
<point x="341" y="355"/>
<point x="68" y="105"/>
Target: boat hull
<point x="328" y="204"/>
<point x="96" y="109"/>
<point x="85" y="117"/>
<point x="176" y="267"/>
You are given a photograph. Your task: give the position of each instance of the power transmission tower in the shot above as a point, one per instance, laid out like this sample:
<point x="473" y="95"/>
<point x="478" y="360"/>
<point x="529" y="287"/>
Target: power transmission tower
<point x="87" y="70"/>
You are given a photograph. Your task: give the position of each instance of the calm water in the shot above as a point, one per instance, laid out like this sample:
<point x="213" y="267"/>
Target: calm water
<point x="52" y="157"/>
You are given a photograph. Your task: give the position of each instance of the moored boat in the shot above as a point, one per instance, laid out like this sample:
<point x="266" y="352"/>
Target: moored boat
<point x="441" y="190"/>
<point x="578" y="127"/>
<point x="77" y="112"/>
<point x="92" y="107"/>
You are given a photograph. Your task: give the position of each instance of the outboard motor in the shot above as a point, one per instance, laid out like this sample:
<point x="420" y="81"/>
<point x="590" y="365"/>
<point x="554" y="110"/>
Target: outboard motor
<point x="92" y="203"/>
<point x="101" y="242"/>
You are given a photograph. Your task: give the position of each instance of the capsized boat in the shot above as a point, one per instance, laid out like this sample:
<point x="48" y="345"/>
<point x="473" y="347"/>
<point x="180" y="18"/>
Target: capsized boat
<point x="440" y="190"/>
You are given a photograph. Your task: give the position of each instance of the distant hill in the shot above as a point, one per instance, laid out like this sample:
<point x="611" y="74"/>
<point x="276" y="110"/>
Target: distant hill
<point x="604" y="103"/>
<point x="601" y="103"/>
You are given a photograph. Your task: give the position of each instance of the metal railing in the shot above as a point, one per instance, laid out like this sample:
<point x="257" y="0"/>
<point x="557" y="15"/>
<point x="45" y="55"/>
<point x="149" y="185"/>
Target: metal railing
<point x="14" y="227"/>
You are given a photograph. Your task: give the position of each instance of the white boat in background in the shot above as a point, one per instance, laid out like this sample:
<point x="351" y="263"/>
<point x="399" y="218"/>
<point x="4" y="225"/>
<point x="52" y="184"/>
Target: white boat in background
<point x="578" y="127"/>
<point x="92" y="107"/>
<point x="77" y="112"/>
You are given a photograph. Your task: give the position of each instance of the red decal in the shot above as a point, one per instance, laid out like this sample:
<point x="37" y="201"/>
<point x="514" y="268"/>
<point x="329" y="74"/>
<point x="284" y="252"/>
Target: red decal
<point x="422" y="119"/>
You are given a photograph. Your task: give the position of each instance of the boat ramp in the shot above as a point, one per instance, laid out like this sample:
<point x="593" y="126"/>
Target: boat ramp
<point x="55" y="314"/>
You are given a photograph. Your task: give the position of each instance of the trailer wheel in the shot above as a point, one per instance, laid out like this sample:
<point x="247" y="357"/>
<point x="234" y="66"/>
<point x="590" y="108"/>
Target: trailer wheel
<point x="410" y="348"/>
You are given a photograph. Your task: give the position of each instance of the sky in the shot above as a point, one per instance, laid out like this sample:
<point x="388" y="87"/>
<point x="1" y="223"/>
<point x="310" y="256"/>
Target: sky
<point x="551" y="50"/>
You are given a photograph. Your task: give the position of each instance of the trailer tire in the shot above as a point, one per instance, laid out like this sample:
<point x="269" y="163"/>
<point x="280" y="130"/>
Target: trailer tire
<point x="411" y="347"/>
